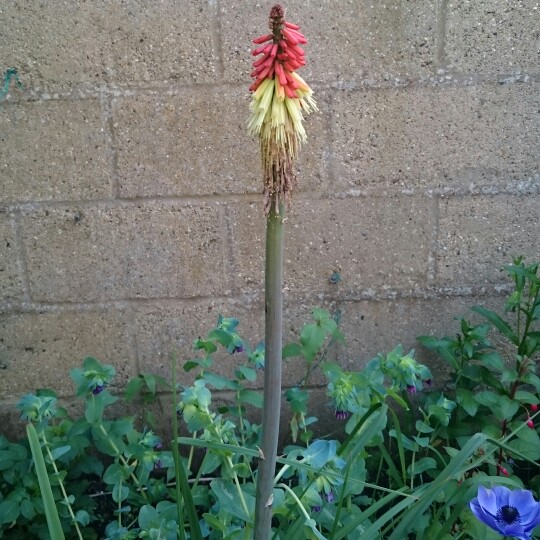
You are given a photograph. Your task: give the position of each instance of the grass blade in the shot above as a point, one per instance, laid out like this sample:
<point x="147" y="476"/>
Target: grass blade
<point x="51" y="512"/>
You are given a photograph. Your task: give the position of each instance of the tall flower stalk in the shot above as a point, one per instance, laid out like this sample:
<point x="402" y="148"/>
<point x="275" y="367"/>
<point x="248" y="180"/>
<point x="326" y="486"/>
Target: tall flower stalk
<point x="280" y="100"/>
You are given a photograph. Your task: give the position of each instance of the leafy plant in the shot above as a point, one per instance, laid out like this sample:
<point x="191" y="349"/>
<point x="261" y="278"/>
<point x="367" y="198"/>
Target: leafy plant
<point x="407" y="462"/>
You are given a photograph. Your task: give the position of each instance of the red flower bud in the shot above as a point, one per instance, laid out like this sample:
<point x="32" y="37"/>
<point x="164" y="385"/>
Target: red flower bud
<point x="534" y="407"/>
<point x="530" y="423"/>
<point x="262" y="39"/>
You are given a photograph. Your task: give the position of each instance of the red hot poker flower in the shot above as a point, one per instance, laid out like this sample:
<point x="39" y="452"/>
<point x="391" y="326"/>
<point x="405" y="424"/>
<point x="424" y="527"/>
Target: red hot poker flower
<point x="280" y="99"/>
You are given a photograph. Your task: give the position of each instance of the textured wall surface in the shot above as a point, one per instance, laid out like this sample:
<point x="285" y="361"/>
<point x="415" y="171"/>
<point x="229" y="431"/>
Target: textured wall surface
<point x="130" y="206"/>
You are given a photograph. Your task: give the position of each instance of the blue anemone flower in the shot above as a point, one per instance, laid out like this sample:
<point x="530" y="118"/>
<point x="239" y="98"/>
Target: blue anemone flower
<point x="510" y="513"/>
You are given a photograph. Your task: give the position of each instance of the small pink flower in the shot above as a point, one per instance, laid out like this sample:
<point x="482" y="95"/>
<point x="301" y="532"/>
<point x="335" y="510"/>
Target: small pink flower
<point x="530" y="423"/>
<point x="534" y="407"/>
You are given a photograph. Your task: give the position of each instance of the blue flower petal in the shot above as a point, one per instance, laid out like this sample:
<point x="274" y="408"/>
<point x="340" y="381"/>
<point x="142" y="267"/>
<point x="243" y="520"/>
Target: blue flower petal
<point x="529" y="509"/>
<point x="483" y="516"/>
<point x="488" y="500"/>
<point x="502" y="495"/>
<point x="515" y="530"/>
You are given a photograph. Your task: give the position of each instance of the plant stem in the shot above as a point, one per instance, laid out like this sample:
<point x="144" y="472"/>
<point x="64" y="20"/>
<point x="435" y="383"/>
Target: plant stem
<point x="238" y="487"/>
<point x="176" y="454"/>
<point x="297" y="500"/>
<point x="124" y="462"/>
<point x="272" y="372"/>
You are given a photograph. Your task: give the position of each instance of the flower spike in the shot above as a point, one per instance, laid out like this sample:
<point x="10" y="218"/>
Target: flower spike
<point x="280" y="100"/>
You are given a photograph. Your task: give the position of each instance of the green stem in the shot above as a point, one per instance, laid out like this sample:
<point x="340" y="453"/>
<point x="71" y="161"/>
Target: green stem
<point x="293" y="495"/>
<point x="176" y="454"/>
<point x="238" y="487"/>
<point x="120" y="505"/>
<point x="124" y="462"/>
<point x="272" y="372"/>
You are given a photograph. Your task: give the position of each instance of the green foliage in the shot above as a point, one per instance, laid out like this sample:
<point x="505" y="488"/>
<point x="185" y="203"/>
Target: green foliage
<point x="405" y="463"/>
<point x="51" y="513"/>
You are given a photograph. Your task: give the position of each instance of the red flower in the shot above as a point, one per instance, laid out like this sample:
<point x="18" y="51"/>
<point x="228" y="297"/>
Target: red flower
<point x="280" y="100"/>
<point x="281" y="55"/>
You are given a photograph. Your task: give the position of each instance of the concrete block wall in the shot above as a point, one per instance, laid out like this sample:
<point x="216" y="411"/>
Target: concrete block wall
<point x="130" y="206"/>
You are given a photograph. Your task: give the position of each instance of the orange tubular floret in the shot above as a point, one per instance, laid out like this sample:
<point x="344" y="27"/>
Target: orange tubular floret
<point x="264" y="49"/>
<point x="292" y="26"/>
<point x="281" y="74"/>
<point x="255" y="85"/>
<point x="290" y="92"/>
<point x="260" y="61"/>
<point x="289" y="37"/>
<point x="263" y="39"/>
<point x="269" y="61"/>
<point x="265" y="73"/>
<point x="280" y="91"/>
<point x="300" y="38"/>
<point x="297" y="50"/>
<point x="291" y="81"/>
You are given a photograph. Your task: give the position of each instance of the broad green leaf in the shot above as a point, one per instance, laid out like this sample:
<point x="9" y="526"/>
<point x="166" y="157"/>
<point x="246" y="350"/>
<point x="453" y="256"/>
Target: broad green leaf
<point x="219" y="382"/>
<point x="466" y="400"/>
<point x="527" y="443"/>
<point x="148" y="517"/>
<point x="215" y="523"/>
<point x="133" y="388"/>
<point x="525" y="397"/>
<point x="82" y="517"/>
<point x="95" y="406"/>
<point x="60" y="451"/>
<point x="249" y="373"/>
<point x="252" y="397"/>
<point x="499" y="323"/>
<point x="320" y="452"/>
<point x="230" y="502"/>
<point x="422" y="427"/>
<point x="9" y="511"/>
<point x="311" y="338"/>
<point x="444" y="347"/>
<point x="115" y="474"/>
<point x="422" y="465"/>
<point x="487" y="398"/>
<point x="120" y="493"/>
<point x="508" y="407"/>
<point x="7" y="459"/>
<point x="404" y="440"/>
<point x="291" y="349"/>
<point x="27" y="509"/>
<point x="421" y="441"/>
<point x="492" y="360"/>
